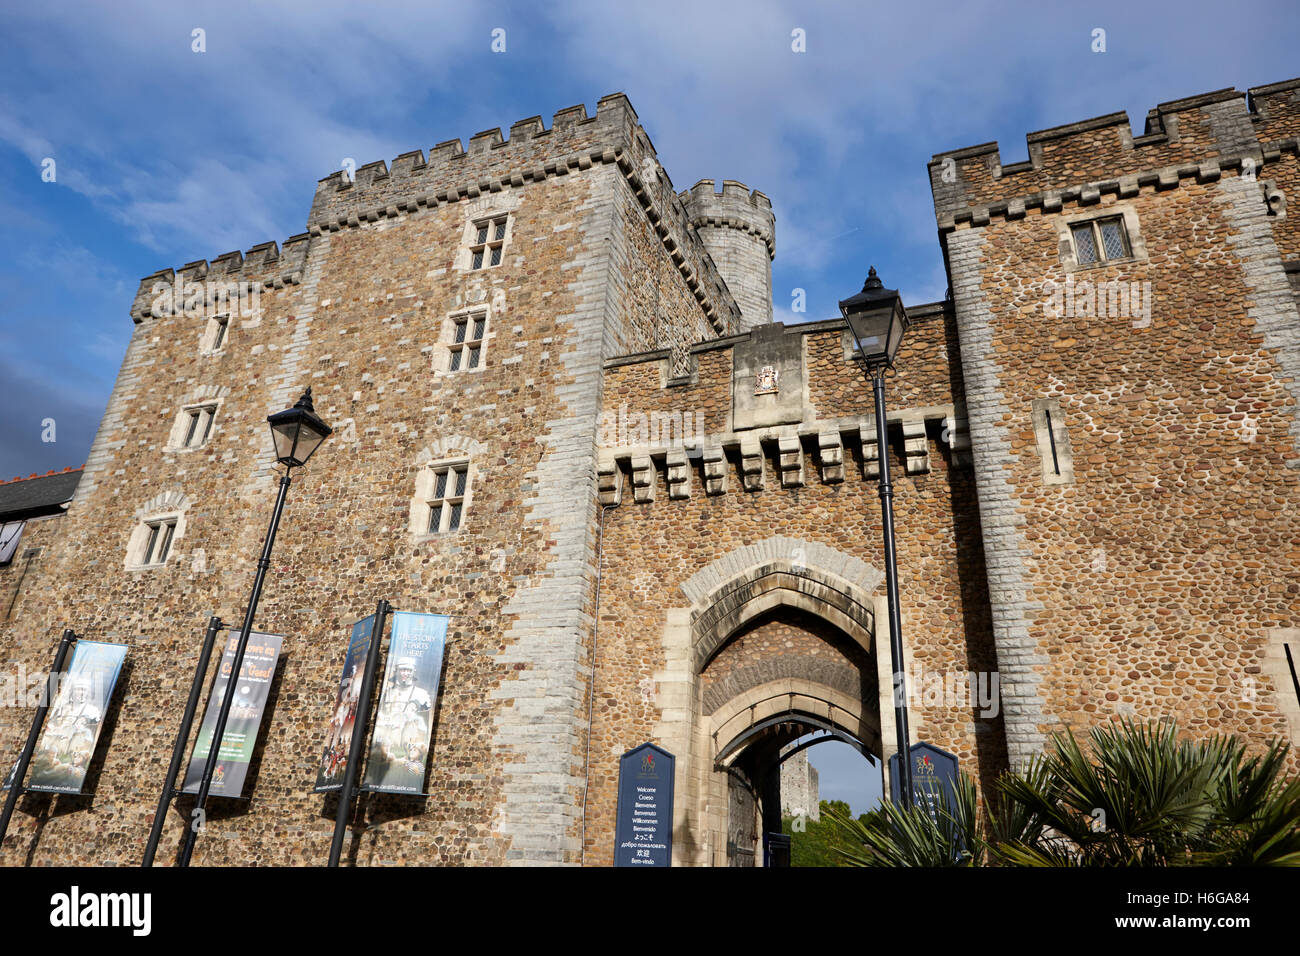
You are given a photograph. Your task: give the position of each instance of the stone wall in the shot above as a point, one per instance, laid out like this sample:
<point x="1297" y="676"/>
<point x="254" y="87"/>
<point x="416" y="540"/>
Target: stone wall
<point x="361" y="308"/>
<point x="800" y="795"/>
<point x="1148" y="580"/>
<point x="797" y="496"/>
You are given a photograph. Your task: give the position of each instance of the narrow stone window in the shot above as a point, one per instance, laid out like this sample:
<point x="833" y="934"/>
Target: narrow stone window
<point x="1053" y="442"/>
<point x="198" y="425"/>
<point x="1293" y="665"/>
<point x="221" y="324"/>
<point x="215" y="334"/>
<point x="488" y="242"/>
<point x="1100" y="240"/>
<point x="159" y="543"/>
<point x="447" y="503"/>
<point x="466" y="348"/>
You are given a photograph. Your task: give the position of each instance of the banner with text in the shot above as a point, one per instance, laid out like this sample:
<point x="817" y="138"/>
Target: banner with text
<point x="399" y="749"/>
<point x="73" y="723"/>
<point x="256" y="673"/>
<point x="338" y="739"/>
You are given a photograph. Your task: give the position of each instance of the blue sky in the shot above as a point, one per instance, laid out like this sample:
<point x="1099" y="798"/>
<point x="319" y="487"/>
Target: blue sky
<point x="164" y="155"/>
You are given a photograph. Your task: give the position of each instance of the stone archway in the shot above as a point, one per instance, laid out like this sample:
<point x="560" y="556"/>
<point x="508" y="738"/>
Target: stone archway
<point x="828" y="674"/>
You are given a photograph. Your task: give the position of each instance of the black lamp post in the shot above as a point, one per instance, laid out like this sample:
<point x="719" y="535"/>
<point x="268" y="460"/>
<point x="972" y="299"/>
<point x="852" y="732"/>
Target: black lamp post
<point x="878" y="322"/>
<point x="297" y="433"/>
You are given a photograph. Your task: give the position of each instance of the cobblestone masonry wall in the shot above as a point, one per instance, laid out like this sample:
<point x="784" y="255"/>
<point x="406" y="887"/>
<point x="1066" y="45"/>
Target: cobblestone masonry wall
<point x="1277" y="126"/>
<point x="1148" y="581"/>
<point x="942" y="580"/>
<point x="38" y="534"/>
<point x="360" y="311"/>
<point x="1147" y="585"/>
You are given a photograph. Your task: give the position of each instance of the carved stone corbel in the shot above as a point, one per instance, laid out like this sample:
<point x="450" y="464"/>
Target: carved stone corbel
<point x="791" y="460"/>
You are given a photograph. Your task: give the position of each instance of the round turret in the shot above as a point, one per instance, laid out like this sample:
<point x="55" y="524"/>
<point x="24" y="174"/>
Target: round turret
<point x="739" y="230"/>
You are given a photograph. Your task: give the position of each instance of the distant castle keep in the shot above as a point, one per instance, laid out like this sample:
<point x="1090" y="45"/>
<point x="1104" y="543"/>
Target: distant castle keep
<point x="669" y="527"/>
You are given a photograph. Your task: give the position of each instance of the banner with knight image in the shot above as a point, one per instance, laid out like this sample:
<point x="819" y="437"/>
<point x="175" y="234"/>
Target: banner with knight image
<point x="256" y="673"/>
<point x="399" y="748"/>
<point x="338" y="739"/>
<point x="72" y="725"/>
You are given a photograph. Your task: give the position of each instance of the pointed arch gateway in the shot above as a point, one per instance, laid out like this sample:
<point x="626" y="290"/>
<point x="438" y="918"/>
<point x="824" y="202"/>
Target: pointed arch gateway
<point x="777" y="639"/>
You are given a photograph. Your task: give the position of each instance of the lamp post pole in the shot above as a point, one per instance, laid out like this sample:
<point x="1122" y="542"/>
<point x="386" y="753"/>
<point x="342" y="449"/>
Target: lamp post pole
<point x="182" y="735"/>
<point x="197" y="817"/>
<point x="38" y="721"/>
<point x="886" y="490"/>
<point x="878" y="322"/>
<point x="296" y="433"/>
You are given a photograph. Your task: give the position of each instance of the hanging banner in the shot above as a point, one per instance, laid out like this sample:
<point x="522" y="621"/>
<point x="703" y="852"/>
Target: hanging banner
<point x="251" y="690"/>
<point x="399" y="749"/>
<point x="338" y="740"/>
<point x="73" y="723"/>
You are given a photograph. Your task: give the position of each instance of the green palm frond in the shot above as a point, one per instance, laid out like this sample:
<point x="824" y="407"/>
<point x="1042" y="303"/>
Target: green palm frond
<point x="1136" y="796"/>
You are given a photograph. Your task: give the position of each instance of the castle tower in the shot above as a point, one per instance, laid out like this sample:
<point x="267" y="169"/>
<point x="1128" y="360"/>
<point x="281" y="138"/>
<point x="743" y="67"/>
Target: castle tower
<point x="739" y="231"/>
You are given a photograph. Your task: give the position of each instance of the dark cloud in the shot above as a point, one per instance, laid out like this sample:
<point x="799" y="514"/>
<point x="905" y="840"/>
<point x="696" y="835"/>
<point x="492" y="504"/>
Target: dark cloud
<point x="28" y="400"/>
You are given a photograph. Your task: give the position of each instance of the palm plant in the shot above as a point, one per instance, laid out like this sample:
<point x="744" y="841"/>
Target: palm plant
<point x="1140" y="797"/>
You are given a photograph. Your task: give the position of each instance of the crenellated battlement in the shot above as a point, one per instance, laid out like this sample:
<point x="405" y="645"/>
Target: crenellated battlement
<point x="489" y="162"/>
<point x="739" y="229"/>
<point x="1194" y="137"/>
<point x="453" y="172"/>
<point x="736" y="207"/>
<point x="265" y="266"/>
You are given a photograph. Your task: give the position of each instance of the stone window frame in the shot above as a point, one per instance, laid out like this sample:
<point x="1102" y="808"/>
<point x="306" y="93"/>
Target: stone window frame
<point x="450" y="346"/>
<point x="426" y="497"/>
<point x="1282" y="663"/>
<point x="169" y="507"/>
<point x="179" y="440"/>
<point x="1053" y="440"/>
<point x="1137" y="247"/>
<point x="485" y="235"/>
<point x="144" y="542"/>
<point x="216" y="335"/>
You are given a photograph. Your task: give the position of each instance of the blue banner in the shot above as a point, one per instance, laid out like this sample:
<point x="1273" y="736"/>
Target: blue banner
<point x="399" y="748"/>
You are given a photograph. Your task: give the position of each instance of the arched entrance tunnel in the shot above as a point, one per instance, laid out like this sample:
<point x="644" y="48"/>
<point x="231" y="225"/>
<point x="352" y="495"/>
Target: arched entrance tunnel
<point x="756" y="801"/>
<point x="784" y="681"/>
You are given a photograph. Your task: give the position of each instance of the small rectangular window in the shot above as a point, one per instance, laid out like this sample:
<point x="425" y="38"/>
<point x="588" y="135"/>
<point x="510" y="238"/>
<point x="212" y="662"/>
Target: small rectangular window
<point x="466" y="341"/>
<point x="489" y="242"/>
<point x="1085" y="248"/>
<point x="159" y="544"/>
<point x="198" y="427"/>
<point x="219" y="333"/>
<point x="1101" y="240"/>
<point x="1112" y="239"/>
<point x="447" y="504"/>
